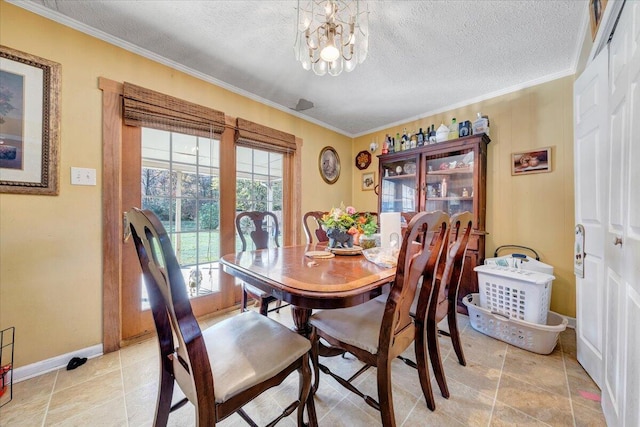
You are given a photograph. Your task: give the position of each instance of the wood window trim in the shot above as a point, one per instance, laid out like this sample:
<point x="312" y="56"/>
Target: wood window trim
<point x="112" y="225"/>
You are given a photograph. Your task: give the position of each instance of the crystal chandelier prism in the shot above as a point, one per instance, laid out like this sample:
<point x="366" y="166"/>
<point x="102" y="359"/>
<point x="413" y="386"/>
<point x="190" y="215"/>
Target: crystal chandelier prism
<point x="332" y="35"/>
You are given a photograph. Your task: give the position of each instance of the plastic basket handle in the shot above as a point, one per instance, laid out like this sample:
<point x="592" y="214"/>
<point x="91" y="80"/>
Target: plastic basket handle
<point x="517" y="255"/>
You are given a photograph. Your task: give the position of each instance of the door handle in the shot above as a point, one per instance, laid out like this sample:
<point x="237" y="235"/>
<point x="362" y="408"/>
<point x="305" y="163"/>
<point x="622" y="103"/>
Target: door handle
<point x="617" y="241"/>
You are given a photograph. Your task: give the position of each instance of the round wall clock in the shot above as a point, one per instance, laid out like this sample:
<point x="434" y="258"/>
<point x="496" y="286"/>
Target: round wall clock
<point x="329" y="165"/>
<point x="363" y="159"/>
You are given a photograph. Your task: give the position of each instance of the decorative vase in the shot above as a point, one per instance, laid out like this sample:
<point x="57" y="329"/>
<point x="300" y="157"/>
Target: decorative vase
<point x="367" y="242"/>
<point x="339" y="238"/>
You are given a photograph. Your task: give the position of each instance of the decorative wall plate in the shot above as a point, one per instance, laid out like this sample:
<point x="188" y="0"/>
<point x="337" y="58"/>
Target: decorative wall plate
<point x="363" y="159"/>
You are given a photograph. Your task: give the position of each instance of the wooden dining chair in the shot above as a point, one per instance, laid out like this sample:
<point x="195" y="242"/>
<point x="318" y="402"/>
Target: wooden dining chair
<point x="224" y="367"/>
<point x="316" y="227"/>
<point x="376" y="333"/>
<point x="439" y="300"/>
<point x="263" y="229"/>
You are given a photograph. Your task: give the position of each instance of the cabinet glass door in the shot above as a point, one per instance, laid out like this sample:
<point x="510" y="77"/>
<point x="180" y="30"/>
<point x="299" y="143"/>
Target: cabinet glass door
<point x="449" y="182"/>
<point x="398" y="185"/>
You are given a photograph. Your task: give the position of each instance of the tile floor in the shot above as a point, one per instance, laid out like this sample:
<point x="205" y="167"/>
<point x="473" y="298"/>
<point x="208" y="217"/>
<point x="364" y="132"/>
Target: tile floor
<point x="501" y="385"/>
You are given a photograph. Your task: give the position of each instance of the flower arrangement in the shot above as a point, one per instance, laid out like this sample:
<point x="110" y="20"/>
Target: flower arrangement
<point x="348" y="220"/>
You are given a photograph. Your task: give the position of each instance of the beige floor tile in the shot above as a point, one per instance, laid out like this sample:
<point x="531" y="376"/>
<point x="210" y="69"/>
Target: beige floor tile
<point x="348" y="414"/>
<point x="109" y="414"/>
<point x="583" y="390"/>
<point x="140" y="373"/>
<point x="120" y="389"/>
<point x="586" y="417"/>
<point x="504" y="415"/>
<point x="92" y="368"/>
<point x="483" y="350"/>
<point x="465" y="404"/>
<point x="33" y="389"/>
<point x="422" y="416"/>
<point x="474" y="375"/>
<point x="141" y="404"/>
<point x="534" y="401"/>
<point x="545" y="371"/>
<point x="404" y="395"/>
<point x="139" y="351"/>
<point x="79" y="398"/>
<point x="26" y="413"/>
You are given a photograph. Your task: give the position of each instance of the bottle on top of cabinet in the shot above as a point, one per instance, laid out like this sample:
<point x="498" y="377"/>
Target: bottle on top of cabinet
<point x="453" y="129"/>
<point x="481" y="125"/>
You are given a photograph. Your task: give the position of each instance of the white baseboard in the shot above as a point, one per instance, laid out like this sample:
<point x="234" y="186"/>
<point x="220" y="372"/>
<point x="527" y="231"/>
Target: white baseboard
<point x="42" y="367"/>
<point x="571" y="320"/>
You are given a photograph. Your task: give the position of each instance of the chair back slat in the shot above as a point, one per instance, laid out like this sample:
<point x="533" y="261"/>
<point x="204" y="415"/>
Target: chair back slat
<point x="264" y="226"/>
<point x="414" y="258"/>
<point x="450" y="272"/>
<point x="172" y="313"/>
<point x="314" y="216"/>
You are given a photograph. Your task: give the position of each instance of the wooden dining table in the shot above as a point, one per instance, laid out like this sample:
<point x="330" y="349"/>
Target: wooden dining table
<point x="309" y="283"/>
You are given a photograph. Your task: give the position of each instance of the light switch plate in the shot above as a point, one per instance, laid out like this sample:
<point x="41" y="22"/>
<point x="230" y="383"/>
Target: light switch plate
<point x="83" y="176"/>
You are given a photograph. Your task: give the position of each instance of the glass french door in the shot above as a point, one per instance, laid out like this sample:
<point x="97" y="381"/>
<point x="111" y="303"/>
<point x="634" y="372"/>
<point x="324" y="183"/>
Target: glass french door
<point x="259" y="185"/>
<point x="176" y="176"/>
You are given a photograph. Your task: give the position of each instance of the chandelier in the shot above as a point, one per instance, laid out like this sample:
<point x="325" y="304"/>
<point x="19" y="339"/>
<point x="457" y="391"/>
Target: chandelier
<point x="332" y="35"/>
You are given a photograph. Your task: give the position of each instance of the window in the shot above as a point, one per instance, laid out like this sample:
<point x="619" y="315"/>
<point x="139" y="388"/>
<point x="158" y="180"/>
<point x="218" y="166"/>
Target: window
<point x="180" y="184"/>
<point x="259" y="184"/>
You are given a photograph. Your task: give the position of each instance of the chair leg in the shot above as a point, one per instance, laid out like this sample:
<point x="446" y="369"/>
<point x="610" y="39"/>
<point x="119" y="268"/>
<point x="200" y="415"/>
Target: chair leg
<point x="455" y="335"/>
<point x="264" y="306"/>
<point x="423" y="370"/>
<point x="306" y="396"/>
<point x="315" y="344"/>
<point x="243" y="300"/>
<point x="385" y="396"/>
<point x="278" y="304"/>
<point x="165" y="394"/>
<point x="436" y="360"/>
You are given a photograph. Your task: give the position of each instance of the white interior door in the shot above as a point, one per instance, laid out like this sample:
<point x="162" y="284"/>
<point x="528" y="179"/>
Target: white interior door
<point x="591" y="151"/>
<point x="620" y="398"/>
<point x="631" y="238"/>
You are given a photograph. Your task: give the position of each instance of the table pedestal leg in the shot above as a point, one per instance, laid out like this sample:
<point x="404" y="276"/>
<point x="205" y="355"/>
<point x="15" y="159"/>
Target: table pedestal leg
<point x="301" y="320"/>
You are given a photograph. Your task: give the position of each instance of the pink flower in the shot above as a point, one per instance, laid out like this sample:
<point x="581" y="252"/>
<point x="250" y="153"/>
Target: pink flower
<point x="351" y="210"/>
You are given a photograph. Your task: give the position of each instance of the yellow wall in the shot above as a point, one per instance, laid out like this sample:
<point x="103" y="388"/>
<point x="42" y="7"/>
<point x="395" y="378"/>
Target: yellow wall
<point x="532" y="210"/>
<point x="51" y="247"/>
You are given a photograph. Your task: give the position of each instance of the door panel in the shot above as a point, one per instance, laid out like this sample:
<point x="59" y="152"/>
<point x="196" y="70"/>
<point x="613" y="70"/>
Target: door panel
<point x="591" y="174"/>
<point x="622" y="243"/>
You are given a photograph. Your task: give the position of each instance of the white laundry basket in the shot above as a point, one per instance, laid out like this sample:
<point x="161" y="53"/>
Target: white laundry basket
<point x="540" y="339"/>
<point x="515" y="293"/>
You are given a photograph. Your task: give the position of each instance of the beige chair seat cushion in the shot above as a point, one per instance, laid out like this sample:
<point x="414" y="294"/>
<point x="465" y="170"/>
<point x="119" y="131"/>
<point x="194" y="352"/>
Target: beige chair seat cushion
<point x="247" y="349"/>
<point x="358" y="326"/>
<point x="257" y="292"/>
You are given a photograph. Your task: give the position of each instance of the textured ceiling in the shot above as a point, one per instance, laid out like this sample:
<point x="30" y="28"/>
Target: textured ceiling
<point x="424" y="56"/>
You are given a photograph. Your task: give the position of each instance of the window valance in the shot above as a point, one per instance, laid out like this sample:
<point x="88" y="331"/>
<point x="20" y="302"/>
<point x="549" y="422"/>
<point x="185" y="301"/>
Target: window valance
<point x="148" y="108"/>
<point x="254" y="135"/>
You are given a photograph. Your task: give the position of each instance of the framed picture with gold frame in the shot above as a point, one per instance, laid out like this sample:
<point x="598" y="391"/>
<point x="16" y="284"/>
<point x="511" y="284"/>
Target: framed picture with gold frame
<point x="368" y="181"/>
<point x="329" y="165"/>
<point x="29" y="123"/>
<point x="533" y="161"/>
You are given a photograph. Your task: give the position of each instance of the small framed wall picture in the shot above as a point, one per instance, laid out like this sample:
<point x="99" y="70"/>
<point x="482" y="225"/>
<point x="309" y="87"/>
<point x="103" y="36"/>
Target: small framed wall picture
<point x="329" y="165"/>
<point x="368" y="181"/>
<point x="534" y="161"/>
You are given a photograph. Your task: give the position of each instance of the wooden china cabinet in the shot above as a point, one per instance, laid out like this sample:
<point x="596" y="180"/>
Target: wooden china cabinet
<point x="448" y="176"/>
